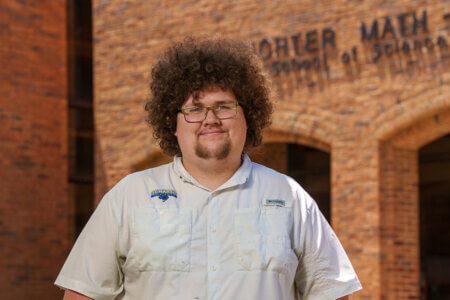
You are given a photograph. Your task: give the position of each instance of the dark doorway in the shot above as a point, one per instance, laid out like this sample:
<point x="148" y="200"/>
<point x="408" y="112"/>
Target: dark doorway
<point x="434" y="189"/>
<point x="81" y="120"/>
<point x="310" y="167"/>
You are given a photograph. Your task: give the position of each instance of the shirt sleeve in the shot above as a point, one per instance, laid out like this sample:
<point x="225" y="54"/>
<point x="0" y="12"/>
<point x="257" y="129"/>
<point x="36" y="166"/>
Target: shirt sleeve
<point x="324" y="270"/>
<point x="92" y="267"/>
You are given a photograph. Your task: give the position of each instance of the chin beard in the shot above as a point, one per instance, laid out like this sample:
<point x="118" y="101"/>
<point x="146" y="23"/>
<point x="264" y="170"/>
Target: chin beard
<point x="219" y="153"/>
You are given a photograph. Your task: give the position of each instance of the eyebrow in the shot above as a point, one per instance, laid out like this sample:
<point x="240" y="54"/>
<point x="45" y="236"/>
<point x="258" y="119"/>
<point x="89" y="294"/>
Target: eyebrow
<point x="197" y="103"/>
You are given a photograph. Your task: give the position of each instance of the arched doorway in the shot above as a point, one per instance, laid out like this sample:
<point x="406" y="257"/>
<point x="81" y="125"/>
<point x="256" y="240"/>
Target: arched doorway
<point x="434" y="198"/>
<point x="309" y="166"/>
<point x="413" y="170"/>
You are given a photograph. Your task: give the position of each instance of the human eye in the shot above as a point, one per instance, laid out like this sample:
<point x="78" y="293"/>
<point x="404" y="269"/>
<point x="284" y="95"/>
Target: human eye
<point x="225" y="106"/>
<point x="194" y="110"/>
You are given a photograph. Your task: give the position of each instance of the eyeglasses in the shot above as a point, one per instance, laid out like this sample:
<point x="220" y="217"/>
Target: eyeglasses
<point x="197" y="114"/>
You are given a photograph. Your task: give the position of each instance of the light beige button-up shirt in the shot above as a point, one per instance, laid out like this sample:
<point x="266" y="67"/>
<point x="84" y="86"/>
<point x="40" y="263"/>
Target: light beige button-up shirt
<point x="159" y="234"/>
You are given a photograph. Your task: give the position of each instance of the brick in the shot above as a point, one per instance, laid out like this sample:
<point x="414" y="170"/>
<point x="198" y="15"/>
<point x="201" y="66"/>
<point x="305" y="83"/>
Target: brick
<point x="35" y="231"/>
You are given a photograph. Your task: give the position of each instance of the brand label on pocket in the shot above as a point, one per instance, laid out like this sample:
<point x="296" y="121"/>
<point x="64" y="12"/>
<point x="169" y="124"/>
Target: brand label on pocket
<point x="275" y="202"/>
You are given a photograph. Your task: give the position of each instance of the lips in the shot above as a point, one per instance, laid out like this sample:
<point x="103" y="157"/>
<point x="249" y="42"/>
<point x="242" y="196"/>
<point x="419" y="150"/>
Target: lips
<point x="211" y="133"/>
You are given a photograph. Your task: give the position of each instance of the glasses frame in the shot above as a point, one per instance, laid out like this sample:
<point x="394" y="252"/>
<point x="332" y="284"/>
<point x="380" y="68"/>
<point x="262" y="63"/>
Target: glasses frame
<point x="212" y="108"/>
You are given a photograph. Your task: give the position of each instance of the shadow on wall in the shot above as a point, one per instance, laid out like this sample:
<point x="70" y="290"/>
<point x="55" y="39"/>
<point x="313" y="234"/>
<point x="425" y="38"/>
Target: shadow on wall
<point x="158" y="158"/>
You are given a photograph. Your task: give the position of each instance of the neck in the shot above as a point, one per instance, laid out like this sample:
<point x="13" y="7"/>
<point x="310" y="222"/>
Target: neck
<point x="212" y="173"/>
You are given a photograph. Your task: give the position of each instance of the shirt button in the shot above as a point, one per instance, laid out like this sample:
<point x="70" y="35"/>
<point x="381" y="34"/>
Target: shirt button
<point x="213" y="229"/>
<point x="213" y="268"/>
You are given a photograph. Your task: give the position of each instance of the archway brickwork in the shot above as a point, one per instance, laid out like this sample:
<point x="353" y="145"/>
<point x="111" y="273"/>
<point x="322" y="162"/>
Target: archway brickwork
<point x="399" y="204"/>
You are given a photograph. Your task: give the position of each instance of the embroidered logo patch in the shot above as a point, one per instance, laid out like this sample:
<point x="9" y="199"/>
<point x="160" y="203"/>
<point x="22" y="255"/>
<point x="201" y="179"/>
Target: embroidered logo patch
<point x="163" y="194"/>
<point x="276" y="202"/>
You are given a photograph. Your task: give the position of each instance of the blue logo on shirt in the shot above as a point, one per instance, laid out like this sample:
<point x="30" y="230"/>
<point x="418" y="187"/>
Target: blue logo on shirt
<point x="163" y="194"/>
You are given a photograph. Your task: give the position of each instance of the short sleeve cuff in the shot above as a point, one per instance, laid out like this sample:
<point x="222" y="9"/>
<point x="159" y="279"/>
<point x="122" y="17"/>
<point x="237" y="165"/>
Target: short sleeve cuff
<point x="82" y="288"/>
<point x="336" y="292"/>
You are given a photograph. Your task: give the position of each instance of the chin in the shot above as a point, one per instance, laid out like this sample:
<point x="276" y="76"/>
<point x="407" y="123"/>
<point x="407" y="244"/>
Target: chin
<point x="218" y="152"/>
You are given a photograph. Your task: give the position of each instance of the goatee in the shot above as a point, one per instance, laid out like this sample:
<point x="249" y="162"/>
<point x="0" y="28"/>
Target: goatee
<point x="219" y="153"/>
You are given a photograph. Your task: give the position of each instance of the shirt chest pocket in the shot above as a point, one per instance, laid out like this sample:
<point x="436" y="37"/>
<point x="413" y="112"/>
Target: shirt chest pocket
<point x="263" y="242"/>
<point x="161" y="240"/>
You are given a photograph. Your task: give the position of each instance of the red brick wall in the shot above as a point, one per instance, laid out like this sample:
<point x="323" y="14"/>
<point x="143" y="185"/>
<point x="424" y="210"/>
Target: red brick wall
<point x="355" y="209"/>
<point x="399" y="223"/>
<point x="34" y="208"/>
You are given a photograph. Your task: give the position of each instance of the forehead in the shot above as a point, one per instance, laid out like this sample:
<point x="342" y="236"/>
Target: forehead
<point x="210" y="97"/>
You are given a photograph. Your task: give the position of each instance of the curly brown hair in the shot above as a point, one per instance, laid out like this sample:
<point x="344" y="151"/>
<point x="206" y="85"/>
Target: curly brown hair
<point x="189" y="67"/>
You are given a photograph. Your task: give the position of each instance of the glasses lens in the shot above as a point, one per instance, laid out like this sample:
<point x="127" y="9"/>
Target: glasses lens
<point x="194" y="114"/>
<point x="226" y="110"/>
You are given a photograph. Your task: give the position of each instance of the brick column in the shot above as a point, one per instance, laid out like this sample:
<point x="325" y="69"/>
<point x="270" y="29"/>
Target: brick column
<point x="355" y="211"/>
<point x="400" y="259"/>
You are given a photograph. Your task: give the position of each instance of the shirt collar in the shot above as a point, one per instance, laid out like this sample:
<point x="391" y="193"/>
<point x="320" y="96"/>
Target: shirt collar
<point x="239" y="177"/>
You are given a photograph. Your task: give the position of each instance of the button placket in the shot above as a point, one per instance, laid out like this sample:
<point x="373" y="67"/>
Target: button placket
<point x="213" y="246"/>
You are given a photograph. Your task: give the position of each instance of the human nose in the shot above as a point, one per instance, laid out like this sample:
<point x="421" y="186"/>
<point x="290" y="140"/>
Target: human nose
<point x="211" y="117"/>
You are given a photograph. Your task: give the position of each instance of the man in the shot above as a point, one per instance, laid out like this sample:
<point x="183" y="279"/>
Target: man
<point x="212" y="224"/>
